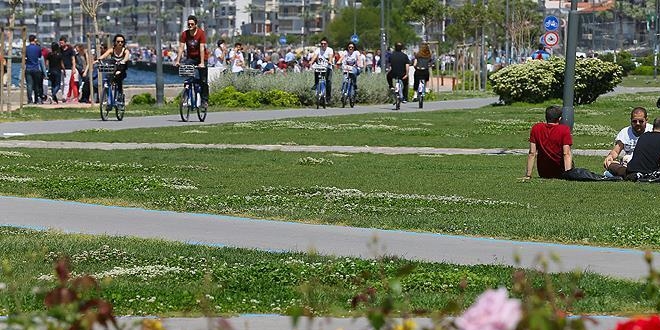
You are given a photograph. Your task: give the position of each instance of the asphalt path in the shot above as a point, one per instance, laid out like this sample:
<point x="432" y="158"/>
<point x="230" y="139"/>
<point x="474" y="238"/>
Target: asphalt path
<point x="65" y="126"/>
<point x="270" y="235"/>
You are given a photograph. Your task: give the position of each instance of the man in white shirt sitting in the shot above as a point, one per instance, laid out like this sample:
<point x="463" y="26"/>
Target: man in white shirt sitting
<point x="626" y="141"/>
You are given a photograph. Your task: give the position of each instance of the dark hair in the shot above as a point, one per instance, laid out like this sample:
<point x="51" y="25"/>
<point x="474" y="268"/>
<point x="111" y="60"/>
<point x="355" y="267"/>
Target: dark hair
<point x="552" y="114"/>
<point x="638" y="110"/>
<point x="54" y="46"/>
<point x="220" y="42"/>
<point x="63" y="38"/>
<point x="32" y="38"/>
<point x="192" y="18"/>
<point x="398" y="46"/>
<point x="351" y="43"/>
<point x="324" y="39"/>
<point x="238" y="44"/>
<point x="656" y="124"/>
<point x="119" y="35"/>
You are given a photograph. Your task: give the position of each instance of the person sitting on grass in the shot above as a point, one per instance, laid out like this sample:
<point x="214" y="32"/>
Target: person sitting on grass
<point x="646" y="158"/>
<point x="551" y="143"/>
<point x="625" y="141"/>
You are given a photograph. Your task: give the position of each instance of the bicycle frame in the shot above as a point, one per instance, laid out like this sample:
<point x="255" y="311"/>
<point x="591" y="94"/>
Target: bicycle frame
<point x="190" y="96"/>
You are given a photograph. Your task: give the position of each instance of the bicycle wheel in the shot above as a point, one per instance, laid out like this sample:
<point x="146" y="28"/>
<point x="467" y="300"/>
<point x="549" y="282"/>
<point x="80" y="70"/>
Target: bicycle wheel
<point x="420" y="99"/>
<point x="201" y="111"/>
<point x="351" y="96"/>
<point x="344" y="94"/>
<point x="120" y="107"/>
<point x="185" y="103"/>
<point x="103" y="105"/>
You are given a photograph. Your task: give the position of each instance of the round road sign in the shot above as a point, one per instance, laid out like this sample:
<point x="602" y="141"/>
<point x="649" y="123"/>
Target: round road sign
<point x="550" y="39"/>
<point x="551" y="23"/>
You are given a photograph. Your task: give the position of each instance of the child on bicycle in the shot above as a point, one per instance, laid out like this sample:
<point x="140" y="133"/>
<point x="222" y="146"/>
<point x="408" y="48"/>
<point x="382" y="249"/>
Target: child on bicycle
<point x="120" y="55"/>
<point x="351" y="61"/>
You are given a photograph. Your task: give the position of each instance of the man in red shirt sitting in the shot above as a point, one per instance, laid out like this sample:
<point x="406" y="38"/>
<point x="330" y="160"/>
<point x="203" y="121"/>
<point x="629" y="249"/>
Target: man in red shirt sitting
<point x="551" y="142"/>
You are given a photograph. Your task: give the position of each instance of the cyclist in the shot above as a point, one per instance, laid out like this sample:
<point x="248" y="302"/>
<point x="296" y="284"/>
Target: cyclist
<point x="421" y="63"/>
<point x="120" y="55"/>
<point x="194" y="39"/>
<point x="399" y="66"/>
<point x="351" y="61"/>
<point x="328" y="54"/>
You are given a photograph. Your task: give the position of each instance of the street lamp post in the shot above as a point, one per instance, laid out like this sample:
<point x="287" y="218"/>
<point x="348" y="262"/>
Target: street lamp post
<point x="383" y="39"/>
<point x="160" y="86"/>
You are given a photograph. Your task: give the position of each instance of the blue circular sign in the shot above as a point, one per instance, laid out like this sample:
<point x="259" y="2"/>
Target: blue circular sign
<point x="355" y="38"/>
<point x="551" y="23"/>
<point x="282" y="40"/>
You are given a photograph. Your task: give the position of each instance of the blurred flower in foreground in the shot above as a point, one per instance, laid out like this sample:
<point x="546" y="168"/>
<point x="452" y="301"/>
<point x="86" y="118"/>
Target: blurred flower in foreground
<point x="407" y="324"/>
<point x="152" y="324"/>
<point x="493" y="310"/>
<point x="642" y="323"/>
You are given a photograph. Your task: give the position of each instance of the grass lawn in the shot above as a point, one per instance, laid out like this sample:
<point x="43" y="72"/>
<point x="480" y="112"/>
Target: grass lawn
<point x="469" y="195"/>
<point x="596" y="126"/>
<point x="640" y="81"/>
<point x="150" y="277"/>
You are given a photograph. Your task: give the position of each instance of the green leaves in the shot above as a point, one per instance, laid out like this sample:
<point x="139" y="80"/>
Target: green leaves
<point x="537" y="81"/>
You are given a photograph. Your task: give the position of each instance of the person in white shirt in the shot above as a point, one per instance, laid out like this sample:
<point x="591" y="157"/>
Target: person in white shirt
<point x="626" y="141"/>
<point x="351" y="60"/>
<point x="220" y="53"/>
<point x="237" y="59"/>
<point x="328" y="54"/>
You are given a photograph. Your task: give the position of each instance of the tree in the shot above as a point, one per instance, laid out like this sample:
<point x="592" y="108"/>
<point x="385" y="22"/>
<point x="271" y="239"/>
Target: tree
<point x="368" y="27"/>
<point x="90" y="8"/>
<point x="425" y="12"/>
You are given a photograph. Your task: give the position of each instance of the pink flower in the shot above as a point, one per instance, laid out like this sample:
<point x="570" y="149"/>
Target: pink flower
<point x="493" y="310"/>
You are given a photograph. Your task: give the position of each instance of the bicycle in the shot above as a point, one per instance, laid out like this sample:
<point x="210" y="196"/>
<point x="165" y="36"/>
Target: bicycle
<point x="321" y="69"/>
<point x="347" y="88"/>
<point x="190" y="99"/>
<point x="110" y="98"/>
<point x="421" y="91"/>
<point x="398" y="93"/>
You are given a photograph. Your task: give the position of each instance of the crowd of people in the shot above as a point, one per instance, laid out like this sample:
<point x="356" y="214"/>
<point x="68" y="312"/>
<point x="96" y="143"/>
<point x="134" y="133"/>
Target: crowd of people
<point x="61" y="73"/>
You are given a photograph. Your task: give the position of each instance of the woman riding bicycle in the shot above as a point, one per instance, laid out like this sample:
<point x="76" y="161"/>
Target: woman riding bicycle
<point x="120" y="55"/>
<point x="351" y="61"/>
<point x="421" y="63"/>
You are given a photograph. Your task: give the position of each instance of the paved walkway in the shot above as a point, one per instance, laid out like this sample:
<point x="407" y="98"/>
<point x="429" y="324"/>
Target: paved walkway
<point x="65" y="126"/>
<point x="279" y="147"/>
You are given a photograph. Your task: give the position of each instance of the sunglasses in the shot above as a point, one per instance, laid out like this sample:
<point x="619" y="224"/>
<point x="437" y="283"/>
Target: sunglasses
<point x="637" y="121"/>
<point x="351" y="47"/>
<point x="191" y="24"/>
<point x="324" y="43"/>
<point x="119" y="41"/>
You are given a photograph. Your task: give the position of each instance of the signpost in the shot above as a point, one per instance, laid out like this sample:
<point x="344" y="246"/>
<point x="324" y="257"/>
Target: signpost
<point x="551" y="23"/>
<point x="550" y="39"/>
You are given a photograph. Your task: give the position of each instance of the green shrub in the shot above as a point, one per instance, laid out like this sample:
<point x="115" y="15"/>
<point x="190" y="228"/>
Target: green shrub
<point x="538" y="81"/>
<point x="644" y="70"/>
<point x="230" y="97"/>
<point x="372" y="87"/>
<point x="144" y="98"/>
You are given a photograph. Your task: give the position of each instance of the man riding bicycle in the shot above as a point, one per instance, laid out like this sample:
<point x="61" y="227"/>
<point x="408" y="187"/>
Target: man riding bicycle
<point x="399" y="66"/>
<point x="194" y="39"/>
<point x="120" y="55"/>
<point x="351" y="61"/>
<point x="326" y="53"/>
